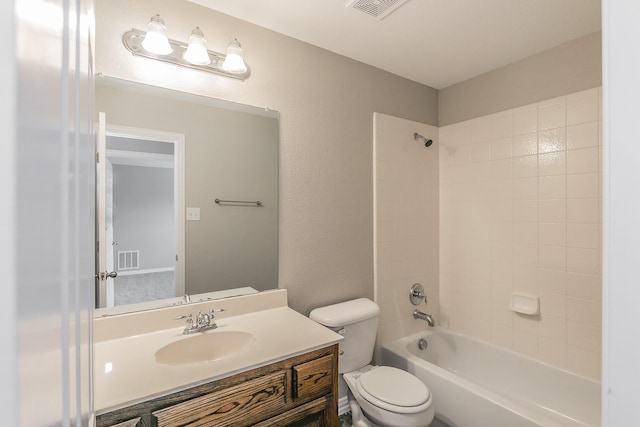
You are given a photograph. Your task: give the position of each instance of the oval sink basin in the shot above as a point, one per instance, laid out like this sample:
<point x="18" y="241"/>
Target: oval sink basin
<point x="204" y="347"/>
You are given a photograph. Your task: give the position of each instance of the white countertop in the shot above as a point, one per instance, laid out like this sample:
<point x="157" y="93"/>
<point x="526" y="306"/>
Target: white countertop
<point x="126" y="372"/>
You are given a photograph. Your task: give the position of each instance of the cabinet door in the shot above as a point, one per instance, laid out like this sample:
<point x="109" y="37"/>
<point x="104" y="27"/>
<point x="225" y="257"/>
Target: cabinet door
<point x="313" y="379"/>
<point x="313" y="414"/>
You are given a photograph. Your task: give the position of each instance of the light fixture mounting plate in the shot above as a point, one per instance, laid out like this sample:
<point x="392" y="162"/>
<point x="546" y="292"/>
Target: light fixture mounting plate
<point x="132" y="40"/>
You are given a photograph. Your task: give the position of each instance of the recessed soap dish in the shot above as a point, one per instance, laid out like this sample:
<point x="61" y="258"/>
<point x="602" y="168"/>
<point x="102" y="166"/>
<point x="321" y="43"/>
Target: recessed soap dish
<point x="525" y="304"/>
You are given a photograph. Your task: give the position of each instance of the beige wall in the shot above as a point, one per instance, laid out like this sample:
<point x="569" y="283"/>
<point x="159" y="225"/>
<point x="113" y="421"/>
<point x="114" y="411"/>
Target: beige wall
<point x="406" y="214"/>
<point x="326" y="103"/>
<point x="571" y="67"/>
<point x="520" y="211"/>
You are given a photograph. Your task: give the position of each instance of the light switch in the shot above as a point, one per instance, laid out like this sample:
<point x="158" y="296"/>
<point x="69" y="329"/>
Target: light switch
<point x="193" y="214"/>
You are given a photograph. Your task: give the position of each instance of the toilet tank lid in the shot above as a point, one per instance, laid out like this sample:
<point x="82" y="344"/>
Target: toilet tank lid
<point x="345" y="313"/>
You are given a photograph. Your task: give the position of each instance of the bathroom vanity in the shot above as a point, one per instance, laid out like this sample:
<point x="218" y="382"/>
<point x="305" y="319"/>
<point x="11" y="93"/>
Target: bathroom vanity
<point x="274" y="367"/>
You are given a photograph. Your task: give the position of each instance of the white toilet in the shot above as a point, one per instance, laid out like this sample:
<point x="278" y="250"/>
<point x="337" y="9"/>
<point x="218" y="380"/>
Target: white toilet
<point x="378" y="395"/>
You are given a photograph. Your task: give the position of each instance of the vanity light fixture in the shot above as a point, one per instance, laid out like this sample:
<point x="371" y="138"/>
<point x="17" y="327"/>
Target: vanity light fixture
<point x="154" y="44"/>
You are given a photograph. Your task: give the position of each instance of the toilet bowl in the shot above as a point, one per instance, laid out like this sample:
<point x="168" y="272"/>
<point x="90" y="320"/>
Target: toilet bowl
<point x="388" y="397"/>
<point x="378" y="395"/>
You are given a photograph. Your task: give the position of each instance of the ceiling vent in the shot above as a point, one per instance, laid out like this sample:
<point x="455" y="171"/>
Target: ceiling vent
<point x="379" y="9"/>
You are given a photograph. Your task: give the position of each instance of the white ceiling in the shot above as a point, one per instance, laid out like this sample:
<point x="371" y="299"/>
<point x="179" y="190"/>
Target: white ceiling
<point x="434" y="42"/>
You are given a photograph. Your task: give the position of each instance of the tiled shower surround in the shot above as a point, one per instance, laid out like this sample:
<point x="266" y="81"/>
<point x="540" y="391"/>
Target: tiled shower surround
<point x="520" y="202"/>
<point x="501" y="203"/>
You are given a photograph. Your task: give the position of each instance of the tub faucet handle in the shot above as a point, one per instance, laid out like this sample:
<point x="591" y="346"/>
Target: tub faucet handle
<point x="416" y="294"/>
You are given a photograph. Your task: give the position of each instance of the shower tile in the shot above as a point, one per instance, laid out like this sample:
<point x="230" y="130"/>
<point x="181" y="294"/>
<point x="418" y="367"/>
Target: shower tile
<point x="526" y="324"/>
<point x="583" y="135"/>
<point x="552" y="304"/>
<point x="552" y="187"/>
<point x="502" y="210"/>
<point x="584" y="311"/>
<point x="525" y="119"/>
<point x="552" y="351"/>
<point x="501" y="314"/>
<point x="553" y="281"/>
<point x="584" y="336"/>
<point x="586" y="185"/>
<point x="501" y="148"/>
<point x="587" y="286"/>
<point x="553" y="327"/>
<point x="525" y="167"/>
<point x="525" y="210"/>
<point x="501" y="169"/>
<point x="480" y="152"/>
<point x="583" y="107"/>
<point x="583" y="235"/>
<point x="525" y="144"/>
<point x="501" y="190"/>
<point x="581" y="260"/>
<point x="583" y="210"/>
<point x="584" y="362"/>
<point x="552" y="163"/>
<point x="502" y="273"/>
<point x="583" y="161"/>
<point x="502" y="335"/>
<point x="552" y="140"/>
<point x="525" y="277"/>
<point x="552" y="257"/>
<point x="502" y="124"/>
<point x="552" y="234"/>
<point x="479" y="129"/>
<point x="526" y="343"/>
<point x="552" y="114"/>
<point x="525" y="188"/>
<point x="525" y="232"/>
<point x="525" y="255"/>
<point x="552" y="210"/>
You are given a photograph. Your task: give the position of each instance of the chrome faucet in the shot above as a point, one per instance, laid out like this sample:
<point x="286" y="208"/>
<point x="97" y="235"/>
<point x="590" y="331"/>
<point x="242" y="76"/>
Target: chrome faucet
<point x="417" y="314"/>
<point x="203" y="322"/>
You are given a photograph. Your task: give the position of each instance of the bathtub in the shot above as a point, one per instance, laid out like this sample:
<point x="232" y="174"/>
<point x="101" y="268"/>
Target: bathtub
<point x="477" y="384"/>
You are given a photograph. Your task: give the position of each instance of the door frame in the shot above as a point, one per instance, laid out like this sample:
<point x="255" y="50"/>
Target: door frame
<point x="178" y="141"/>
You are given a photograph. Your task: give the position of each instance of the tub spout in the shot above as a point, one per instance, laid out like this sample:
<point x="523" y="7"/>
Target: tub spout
<point x="417" y="314"/>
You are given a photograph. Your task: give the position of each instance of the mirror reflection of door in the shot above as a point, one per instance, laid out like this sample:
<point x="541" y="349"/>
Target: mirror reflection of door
<point x="141" y="217"/>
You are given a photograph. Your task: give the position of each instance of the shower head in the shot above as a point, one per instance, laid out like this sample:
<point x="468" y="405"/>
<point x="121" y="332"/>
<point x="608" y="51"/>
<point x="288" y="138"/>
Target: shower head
<point x="427" y="142"/>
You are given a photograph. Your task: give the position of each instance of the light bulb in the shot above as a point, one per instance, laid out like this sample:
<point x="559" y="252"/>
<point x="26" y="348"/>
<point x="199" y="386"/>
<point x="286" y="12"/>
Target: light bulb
<point x="234" y="63"/>
<point x="156" y="41"/>
<point x="197" y="51"/>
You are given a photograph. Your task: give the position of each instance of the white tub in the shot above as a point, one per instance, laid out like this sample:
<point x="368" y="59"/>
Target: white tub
<point x="477" y="384"/>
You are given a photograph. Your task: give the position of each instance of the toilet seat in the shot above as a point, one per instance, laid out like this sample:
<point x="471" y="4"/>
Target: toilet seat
<point x="394" y="390"/>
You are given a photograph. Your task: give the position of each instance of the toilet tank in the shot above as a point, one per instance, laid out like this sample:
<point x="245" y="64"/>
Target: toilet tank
<point x="357" y="321"/>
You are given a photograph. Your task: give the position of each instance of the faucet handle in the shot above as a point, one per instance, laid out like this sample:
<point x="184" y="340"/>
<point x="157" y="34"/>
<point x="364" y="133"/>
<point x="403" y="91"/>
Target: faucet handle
<point x="416" y="294"/>
<point x="189" y="318"/>
<point x="216" y="310"/>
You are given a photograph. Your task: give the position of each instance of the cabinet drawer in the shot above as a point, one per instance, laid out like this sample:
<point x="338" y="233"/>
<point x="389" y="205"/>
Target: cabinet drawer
<point x="311" y="414"/>
<point x="314" y="378"/>
<point x="243" y="404"/>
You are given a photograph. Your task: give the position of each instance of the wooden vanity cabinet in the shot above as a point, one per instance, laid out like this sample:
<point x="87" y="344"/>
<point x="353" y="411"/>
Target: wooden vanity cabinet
<point x="298" y="392"/>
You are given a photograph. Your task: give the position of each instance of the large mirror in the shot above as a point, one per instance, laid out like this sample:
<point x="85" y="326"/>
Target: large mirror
<point x="189" y="197"/>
